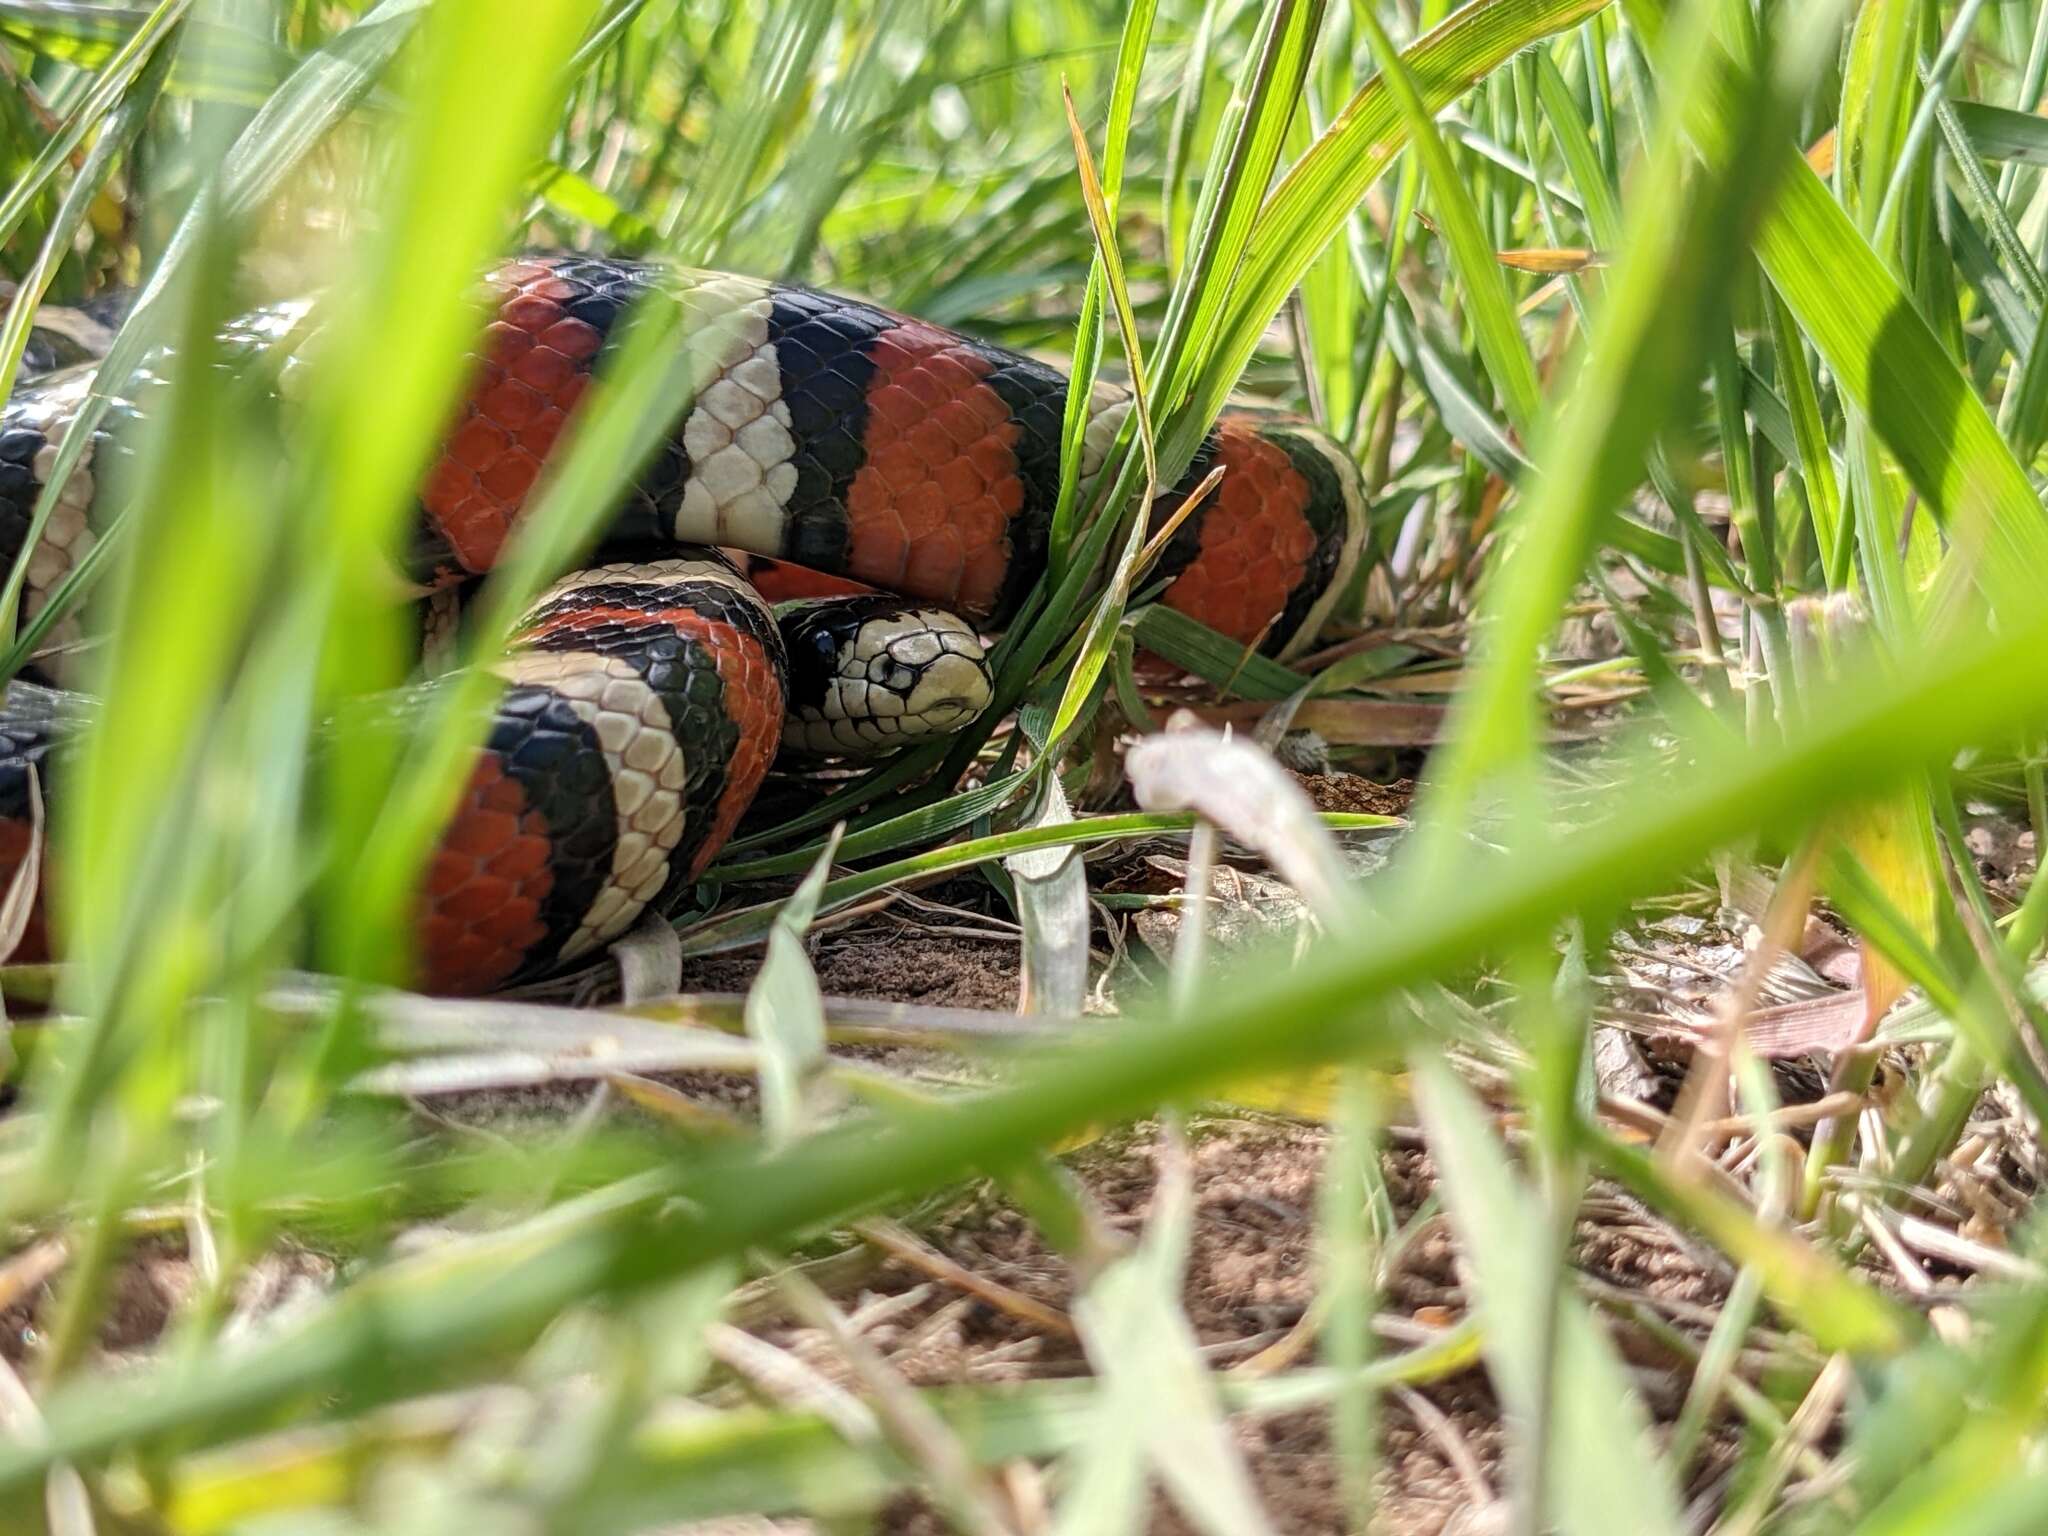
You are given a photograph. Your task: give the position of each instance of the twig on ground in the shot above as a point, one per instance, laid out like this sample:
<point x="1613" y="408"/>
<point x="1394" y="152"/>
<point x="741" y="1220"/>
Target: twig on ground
<point x="902" y="1244"/>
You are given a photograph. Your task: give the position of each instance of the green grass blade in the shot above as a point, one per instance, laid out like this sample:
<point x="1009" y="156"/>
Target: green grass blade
<point x="1214" y="658"/>
<point x="1999" y="133"/>
<point x="1813" y="457"/>
<point x="926" y="824"/>
<point x="371" y="426"/>
<point x="1495" y="326"/>
<point x="1878" y="95"/>
<point x="785" y="1014"/>
<point x="746" y="926"/>
<point x="1581" y="154"/>
<point x="2026" y="426"/>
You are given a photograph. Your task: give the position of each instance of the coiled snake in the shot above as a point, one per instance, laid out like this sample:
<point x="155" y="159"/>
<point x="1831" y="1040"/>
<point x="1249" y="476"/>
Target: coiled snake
<point x="647" y="694"/>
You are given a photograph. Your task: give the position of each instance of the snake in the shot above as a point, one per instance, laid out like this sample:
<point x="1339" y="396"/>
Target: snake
<point x="892" y="481"/>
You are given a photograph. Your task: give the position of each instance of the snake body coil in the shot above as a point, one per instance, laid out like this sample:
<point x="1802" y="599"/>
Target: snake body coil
<point x="647" y="694"/>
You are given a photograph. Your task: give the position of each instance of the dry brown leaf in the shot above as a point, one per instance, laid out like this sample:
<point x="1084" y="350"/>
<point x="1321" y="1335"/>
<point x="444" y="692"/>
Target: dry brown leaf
<point x="1550" y="261"/>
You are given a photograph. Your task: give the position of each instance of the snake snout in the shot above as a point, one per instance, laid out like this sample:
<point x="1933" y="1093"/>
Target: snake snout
<point x="951" y="689"/>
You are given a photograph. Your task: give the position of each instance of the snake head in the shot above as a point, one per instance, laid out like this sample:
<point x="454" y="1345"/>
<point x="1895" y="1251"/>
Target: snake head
<point x="872" y="673"/>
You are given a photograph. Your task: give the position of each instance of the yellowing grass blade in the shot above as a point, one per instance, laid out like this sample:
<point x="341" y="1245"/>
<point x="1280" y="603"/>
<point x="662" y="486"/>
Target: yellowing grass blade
<point x="1551" y="261"/>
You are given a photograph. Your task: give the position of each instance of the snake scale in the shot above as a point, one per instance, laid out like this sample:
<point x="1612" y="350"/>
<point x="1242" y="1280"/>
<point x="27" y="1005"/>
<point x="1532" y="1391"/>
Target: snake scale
<point x="647" y="694"/>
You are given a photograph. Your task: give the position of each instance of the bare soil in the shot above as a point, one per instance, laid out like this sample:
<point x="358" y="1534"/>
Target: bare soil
<point x="1250" y="1279"/>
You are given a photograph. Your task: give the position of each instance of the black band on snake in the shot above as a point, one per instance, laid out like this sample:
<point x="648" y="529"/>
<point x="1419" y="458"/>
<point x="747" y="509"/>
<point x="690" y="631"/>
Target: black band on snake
<point x="648" y="693"/>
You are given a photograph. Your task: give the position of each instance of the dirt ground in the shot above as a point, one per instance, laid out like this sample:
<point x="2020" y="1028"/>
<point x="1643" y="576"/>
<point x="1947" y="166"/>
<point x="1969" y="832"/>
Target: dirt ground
<point x="1250" y="1279"/>
<point x="1251" y="1273"/>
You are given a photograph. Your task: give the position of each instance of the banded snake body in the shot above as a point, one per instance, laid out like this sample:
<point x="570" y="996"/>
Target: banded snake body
<point x="648" y="692"/>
